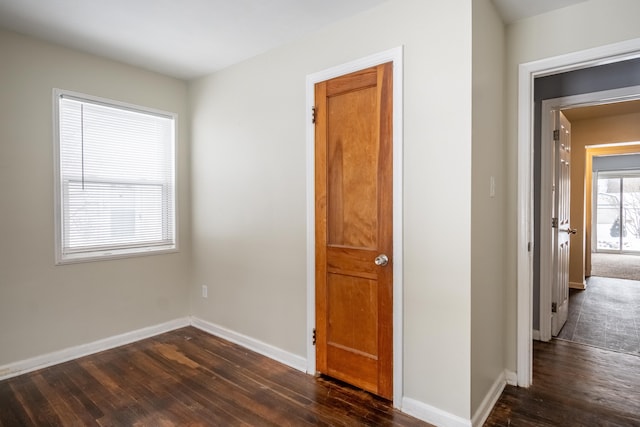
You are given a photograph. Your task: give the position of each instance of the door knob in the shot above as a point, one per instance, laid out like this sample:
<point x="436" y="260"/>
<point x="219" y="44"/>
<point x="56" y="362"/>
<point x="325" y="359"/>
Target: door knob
<point x="571" y="230"/>
<point x="382" y="260"/>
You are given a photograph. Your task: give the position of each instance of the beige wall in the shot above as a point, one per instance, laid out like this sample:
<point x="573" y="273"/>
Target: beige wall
<point x="595" y="131"/>
<point x="488" y="264"/>
<point x="43" y="307"/>
<point x="585" y="25"/>
<point x="249" y="194"/>
<point x="249" y="205"/>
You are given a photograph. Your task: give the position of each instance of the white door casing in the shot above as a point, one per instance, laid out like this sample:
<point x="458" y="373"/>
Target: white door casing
<point x="527" y="72"/>
<point x="394" y="55"/>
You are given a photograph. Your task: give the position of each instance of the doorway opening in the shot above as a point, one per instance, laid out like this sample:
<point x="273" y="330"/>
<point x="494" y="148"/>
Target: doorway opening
<point x="609" y="213"/>
<point x="605" y="117"/>
<point x="628" y="51"/>
<point x="603" y="314"/>
<point x="605" y="207"/>
<point x="616" y="213"/>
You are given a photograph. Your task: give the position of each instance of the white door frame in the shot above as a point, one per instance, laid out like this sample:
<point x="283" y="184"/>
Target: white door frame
<point x="527" y="72"/>
<point x="396" y="56"/>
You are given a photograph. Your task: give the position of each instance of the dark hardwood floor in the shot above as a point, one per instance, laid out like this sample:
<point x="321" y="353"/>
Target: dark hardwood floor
<point x="186" y="378"/>
<point x="190" y="378"/>
<point x="574" y="385"/>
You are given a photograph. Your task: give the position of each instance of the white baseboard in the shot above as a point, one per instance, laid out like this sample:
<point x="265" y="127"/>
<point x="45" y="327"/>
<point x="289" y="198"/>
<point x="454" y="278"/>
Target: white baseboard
<point x="535" y="334"/>
<point x="410" y="406"/>
<point x="61" y="356"/>
<point x="432" y="415"/>
<point x="511" y="377"/>
<point x="489" y="401"/>
<point x="275" y="353"/>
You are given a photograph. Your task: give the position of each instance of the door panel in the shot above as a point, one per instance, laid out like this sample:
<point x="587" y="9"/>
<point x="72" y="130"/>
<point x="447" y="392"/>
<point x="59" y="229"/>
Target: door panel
<point x="354" y="221"/>
<point x="353" y="209"/>
<point x="352" y="352"/>
<point x="562" y="230"/>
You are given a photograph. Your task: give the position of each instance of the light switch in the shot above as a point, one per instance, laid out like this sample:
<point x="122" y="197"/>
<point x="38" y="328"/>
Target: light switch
<point x="492" y="187"/>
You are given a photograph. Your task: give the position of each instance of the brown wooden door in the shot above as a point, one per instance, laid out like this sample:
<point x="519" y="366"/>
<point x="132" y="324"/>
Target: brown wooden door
<point x="354" y="295"/>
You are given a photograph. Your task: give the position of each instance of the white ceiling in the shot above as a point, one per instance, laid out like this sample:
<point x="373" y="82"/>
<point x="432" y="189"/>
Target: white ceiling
<point x="192" y="38"/>
<point x="181" y="38"/>
<point x="513" y="10"/>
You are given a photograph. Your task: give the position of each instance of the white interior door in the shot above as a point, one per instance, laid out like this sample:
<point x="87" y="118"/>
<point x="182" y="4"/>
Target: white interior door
<point x="562" y="230"/>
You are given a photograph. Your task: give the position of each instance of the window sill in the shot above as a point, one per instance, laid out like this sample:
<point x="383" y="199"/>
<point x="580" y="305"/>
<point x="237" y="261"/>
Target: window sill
<point x="105" y="255"/>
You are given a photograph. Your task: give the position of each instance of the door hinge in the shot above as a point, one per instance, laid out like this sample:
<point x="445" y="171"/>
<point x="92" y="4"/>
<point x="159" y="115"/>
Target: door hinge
<point x="313" y="337"/>
<point x="554" y="307"/>
<point x="529" y="247"/>
<point x="313" y="115"/>
<point x="554" y="222"/>
<point x="556" y="135"/>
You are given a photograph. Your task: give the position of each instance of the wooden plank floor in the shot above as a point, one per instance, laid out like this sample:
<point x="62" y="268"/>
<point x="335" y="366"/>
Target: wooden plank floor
<point x="186" y="378"/>
<point x="574" y="385"/>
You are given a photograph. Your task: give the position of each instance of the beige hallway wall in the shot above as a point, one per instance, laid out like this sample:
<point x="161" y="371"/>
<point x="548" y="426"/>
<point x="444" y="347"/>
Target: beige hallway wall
<point x="488" y="210"/>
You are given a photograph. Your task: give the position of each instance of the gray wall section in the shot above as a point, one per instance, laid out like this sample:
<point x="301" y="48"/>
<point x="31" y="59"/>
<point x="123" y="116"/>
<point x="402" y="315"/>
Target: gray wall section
<point x="594" y="79"/>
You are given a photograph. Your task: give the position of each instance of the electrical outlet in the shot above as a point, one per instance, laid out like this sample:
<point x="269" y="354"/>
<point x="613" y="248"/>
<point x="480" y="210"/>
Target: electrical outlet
<point x="205" y="291"/>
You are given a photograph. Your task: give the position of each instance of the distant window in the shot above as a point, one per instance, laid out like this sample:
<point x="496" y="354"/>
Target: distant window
<point x="115" y="178"/>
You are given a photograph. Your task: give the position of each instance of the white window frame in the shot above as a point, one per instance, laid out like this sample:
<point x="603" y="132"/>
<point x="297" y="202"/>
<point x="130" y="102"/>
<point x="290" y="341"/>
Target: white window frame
<point x="116" y="251"/>
<point x="619" y="174"/>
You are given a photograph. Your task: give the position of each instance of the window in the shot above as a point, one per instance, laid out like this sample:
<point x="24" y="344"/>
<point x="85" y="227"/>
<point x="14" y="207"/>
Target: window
<point x="115" y="180"/>
<point x="617" y="211"/>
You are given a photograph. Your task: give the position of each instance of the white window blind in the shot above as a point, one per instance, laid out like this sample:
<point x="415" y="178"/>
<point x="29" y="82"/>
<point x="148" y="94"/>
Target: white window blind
<point x="116" y="179"/>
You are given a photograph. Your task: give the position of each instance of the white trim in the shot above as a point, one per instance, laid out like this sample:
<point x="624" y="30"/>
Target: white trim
<point x="432" y="415"/>
<point x="547" y="173"/>
<point x="311" y="227"/>
<point x="396" y="56"/>
<point x="511" y="377"/>
<point x="527" y="72"/>
<point x="525" y="227"/>
<point x="275" y="353"/>
<point x="71" y="353"/>
<point x="489" y="401"/>
<point x="25" y="366"/>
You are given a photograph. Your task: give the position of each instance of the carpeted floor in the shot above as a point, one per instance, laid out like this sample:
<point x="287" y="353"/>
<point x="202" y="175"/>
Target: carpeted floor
<point x="621" y="266"/>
